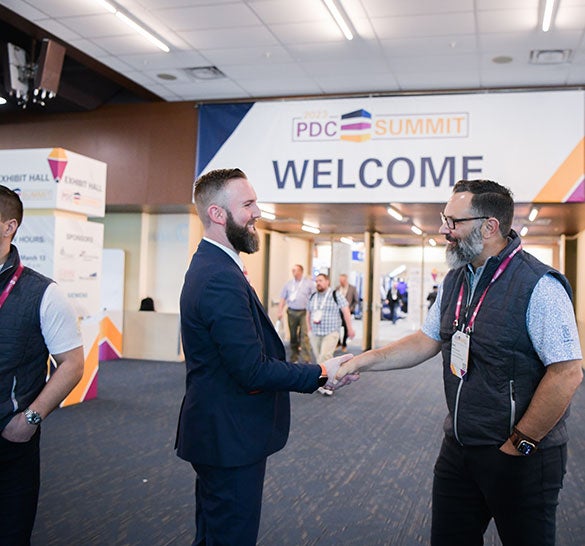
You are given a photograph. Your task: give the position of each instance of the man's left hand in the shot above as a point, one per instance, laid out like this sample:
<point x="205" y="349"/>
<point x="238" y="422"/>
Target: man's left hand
<point x="18" y="429"/>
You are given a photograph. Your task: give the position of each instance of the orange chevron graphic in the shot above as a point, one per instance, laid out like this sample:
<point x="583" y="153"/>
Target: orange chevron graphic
<point x="109" y="331"/>
<point x="557" y="189"/>
<point x="90" y="370"/>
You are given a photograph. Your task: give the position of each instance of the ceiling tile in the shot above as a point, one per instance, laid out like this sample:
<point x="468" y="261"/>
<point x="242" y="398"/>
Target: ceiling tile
<point x="218" y="38"/>
<point x="234" y="14"/>
<point x="248" y="55"/>
<point x="424" y="25"/>
<point x="284" y="11"/>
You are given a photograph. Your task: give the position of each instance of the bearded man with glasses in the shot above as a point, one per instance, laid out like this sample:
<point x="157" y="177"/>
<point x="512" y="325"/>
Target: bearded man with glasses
<point x="505" y="325"/>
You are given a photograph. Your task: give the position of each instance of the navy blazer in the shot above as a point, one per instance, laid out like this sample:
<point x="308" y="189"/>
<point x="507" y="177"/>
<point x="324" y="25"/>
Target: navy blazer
<point x="236" y="409"/>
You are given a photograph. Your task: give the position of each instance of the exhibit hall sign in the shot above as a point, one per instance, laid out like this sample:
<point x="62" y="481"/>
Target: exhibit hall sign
<point x="400" y="149"/>
<point x="54" y="178"/>
<point x="69" y="251"/>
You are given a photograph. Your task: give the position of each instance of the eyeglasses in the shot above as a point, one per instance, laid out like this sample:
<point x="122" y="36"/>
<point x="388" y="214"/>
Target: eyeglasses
<point x="452" y="222"/>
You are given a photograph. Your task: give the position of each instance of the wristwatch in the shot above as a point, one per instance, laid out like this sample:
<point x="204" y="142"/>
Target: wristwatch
<point x="525" y="445"/>
<point x="32" y="417"/>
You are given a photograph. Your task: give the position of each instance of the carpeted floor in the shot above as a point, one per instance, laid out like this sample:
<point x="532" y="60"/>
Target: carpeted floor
<point x="357" y="469"/>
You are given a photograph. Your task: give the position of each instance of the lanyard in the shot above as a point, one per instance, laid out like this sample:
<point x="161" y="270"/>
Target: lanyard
<point x="495" y="277"/>
<point x="13" y="280"/>
<point x="322" y="304"/>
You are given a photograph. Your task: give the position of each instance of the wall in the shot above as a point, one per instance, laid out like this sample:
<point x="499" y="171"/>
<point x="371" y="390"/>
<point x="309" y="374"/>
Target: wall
<point x="285" y="251"/>
<point x="149" y="148"/>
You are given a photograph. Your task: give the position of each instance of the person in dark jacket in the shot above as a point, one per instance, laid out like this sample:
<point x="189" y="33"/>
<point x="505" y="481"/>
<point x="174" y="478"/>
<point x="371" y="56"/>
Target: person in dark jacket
<point x="36" y="321"/>
<point x="505" y="325"/>
<point x="236" y="409"/>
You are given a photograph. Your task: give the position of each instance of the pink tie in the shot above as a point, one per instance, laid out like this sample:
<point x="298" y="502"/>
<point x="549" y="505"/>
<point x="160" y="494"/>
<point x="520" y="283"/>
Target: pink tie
<point x="246" y="274"/>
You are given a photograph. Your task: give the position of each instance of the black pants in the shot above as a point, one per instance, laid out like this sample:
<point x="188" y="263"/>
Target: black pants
<point x="19" y="490"/>
<point x="228" y="503"/>
<point x="472" y="485"/>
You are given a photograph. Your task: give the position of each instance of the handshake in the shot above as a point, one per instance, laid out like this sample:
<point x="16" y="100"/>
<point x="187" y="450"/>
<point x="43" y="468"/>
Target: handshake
<point x="338" y="374"/>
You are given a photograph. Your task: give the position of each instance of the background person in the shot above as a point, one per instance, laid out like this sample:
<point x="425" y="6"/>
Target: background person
<point x="236" y="409"/>
<point x="349" y="292"/>
<point x="506" y="328"/>
<point x="36" y="320"/>
<point x="432" y="296"/>
<point x="324" y="320"/>
<point x="295" y="296"/>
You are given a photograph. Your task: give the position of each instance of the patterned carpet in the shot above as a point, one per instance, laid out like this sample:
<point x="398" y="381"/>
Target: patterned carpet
<point x="357" y="469"/>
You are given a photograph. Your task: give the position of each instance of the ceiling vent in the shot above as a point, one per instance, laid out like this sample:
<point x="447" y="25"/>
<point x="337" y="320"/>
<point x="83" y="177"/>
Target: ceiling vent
<point x="205" y="73"/>
<point x="550" y="56"/>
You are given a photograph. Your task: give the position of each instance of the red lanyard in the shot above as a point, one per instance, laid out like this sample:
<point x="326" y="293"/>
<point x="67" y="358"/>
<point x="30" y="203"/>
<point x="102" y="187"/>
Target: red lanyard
<point x="496" y="276"/>
<point x="8" y="288"/>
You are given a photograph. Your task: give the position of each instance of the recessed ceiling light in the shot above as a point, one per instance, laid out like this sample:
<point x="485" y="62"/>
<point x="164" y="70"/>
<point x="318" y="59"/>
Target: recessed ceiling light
<point x="502" y="59"/>
<point x="165" y="76"/>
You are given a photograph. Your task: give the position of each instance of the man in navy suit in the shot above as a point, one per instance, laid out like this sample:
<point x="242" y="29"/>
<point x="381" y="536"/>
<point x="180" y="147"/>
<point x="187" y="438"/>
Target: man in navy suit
<point x="236" y="409"/>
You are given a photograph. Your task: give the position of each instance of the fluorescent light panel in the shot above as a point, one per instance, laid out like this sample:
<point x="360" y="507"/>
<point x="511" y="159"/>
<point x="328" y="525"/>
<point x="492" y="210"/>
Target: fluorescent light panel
<point x="533" y="214"/>
<point x="523" y="231"/>
<point x="548" y="15"/>
<point x="395" y="213"/>
<point x="310" y="229"/>
<point x="339" y="18"/>
<point x="416" y="229"/>
<point x="346" y="240"/>
<point x="267" y="215"/>
<point x="136" y="27"/>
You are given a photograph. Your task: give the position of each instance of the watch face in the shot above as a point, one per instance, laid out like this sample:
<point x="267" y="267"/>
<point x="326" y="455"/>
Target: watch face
<point x="32" y="417"/>
<point x="524" y="447"/>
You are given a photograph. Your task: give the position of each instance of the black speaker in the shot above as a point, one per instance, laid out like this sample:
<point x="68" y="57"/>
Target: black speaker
<point x="50" y="64"/>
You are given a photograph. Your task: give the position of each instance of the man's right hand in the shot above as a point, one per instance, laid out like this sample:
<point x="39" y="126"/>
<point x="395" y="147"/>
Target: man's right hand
<point x="333" y="365"/>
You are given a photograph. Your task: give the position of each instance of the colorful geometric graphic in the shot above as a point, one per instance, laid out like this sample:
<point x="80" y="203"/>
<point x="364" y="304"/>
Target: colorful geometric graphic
<point x="57" y="161"/>
<point x="356" y="126"/>
<point x="567" y="185"/>
<point x="110" y="340"/>
<point x="86" y="389"/>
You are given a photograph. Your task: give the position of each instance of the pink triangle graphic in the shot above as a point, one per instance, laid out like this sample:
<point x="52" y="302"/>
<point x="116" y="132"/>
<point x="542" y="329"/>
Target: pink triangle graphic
<point x="578" y="196"/>
<point x="93" y="389"/>
<point x="57" y="168"/>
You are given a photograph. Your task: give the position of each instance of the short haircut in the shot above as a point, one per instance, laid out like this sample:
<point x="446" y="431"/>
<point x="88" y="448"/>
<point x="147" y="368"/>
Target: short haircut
<point x="10" y="205"/>
<point x="323" y="275"/>
<point x="300" y="267"/>
<point x="208" y="189"/>
<point x="490" y="199"/>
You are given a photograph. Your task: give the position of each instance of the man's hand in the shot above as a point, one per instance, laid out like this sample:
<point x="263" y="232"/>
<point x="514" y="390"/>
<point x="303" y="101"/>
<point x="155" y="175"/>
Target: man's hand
<point x="332" y="365"/>
<point x="18" y="430"/>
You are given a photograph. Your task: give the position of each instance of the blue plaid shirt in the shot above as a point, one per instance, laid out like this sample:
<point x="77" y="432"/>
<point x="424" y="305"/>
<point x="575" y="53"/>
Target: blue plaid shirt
<point x="331" y="318"/>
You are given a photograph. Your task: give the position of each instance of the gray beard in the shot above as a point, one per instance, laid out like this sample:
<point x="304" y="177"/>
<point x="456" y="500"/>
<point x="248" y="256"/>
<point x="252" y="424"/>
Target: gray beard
<point x="466" y="250"/>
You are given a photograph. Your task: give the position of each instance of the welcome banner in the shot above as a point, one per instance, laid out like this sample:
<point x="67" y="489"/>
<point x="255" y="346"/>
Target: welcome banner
<point x="401" y="149"/>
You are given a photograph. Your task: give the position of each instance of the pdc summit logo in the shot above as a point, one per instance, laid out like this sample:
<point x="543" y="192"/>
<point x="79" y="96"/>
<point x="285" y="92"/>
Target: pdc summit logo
<point x="361" y="126"/>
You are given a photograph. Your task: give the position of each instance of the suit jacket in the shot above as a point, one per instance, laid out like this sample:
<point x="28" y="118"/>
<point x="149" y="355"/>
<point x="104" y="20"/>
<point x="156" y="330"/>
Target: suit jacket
<point x="351" y="297"/>
<point x="236" y="409"/>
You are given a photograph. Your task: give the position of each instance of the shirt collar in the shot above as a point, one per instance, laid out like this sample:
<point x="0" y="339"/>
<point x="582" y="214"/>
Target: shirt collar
<point x="233" y="255"/>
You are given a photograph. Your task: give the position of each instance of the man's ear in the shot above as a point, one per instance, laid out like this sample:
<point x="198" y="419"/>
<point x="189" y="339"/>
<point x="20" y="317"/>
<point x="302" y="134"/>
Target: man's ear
<point x="491" y="227"/>
<point x="9" y="229"/>
<point x="216" y="214"/>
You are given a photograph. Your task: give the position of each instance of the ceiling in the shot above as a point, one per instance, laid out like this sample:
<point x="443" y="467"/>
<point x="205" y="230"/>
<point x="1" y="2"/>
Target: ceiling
<point x="287" y="48"/>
